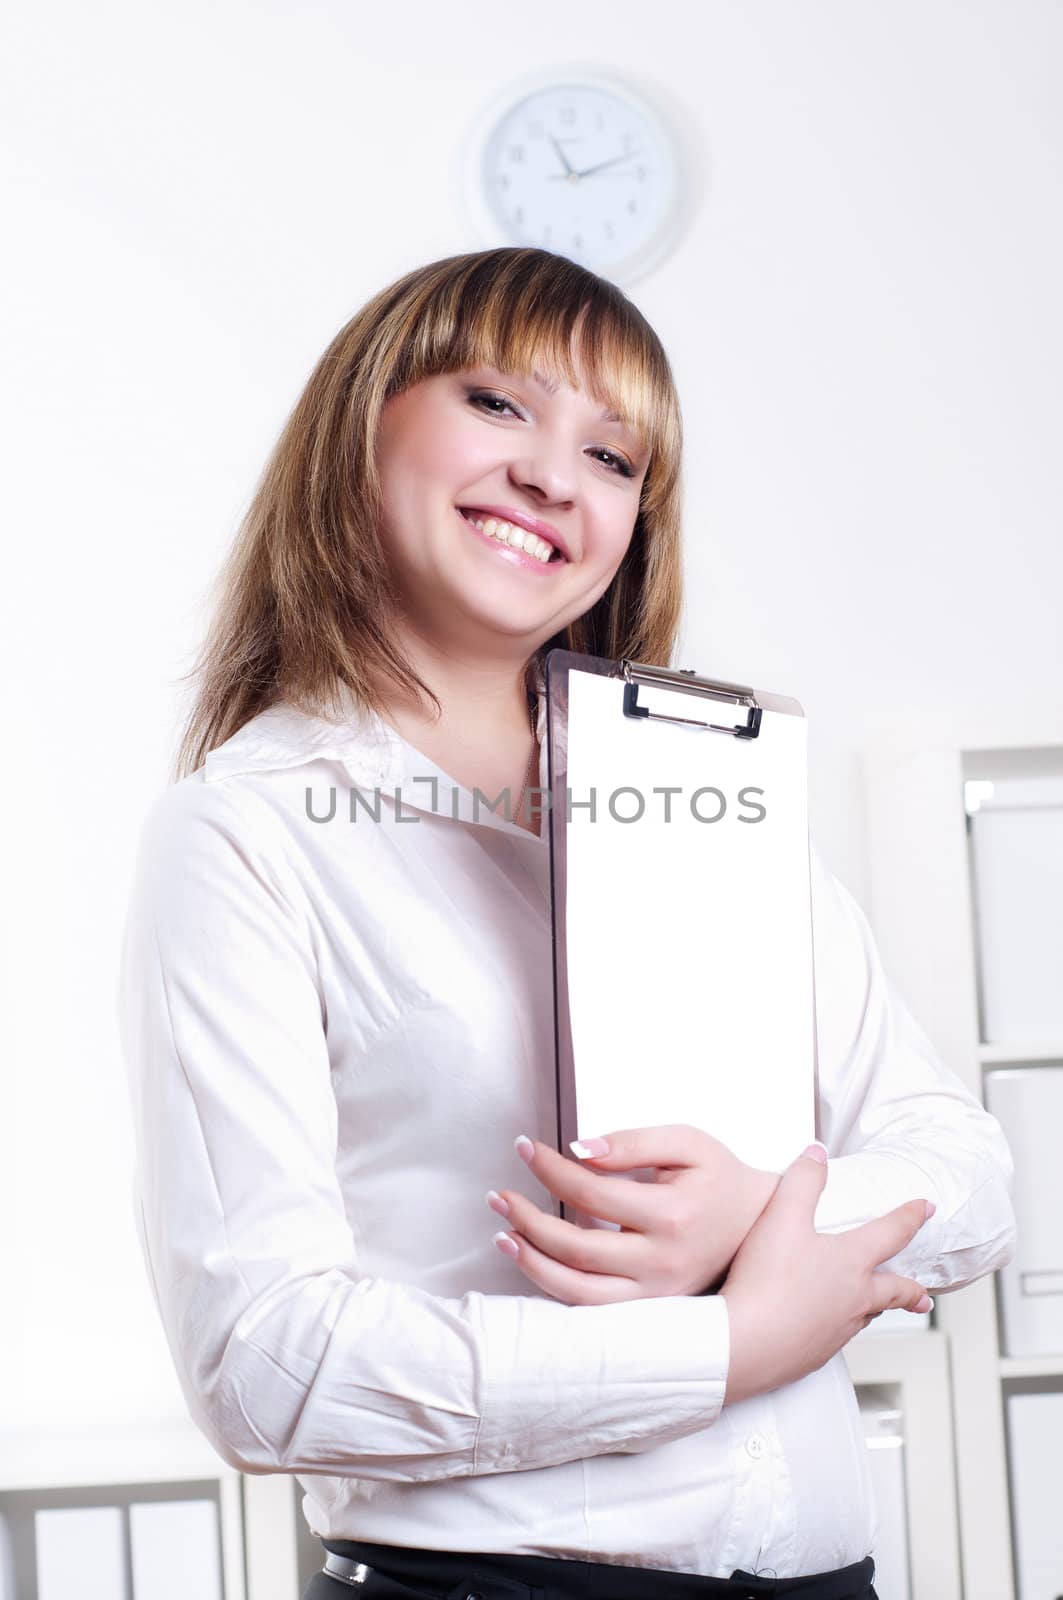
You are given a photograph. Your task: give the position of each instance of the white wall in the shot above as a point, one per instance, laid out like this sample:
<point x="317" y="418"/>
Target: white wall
<point x="864" y="322"/>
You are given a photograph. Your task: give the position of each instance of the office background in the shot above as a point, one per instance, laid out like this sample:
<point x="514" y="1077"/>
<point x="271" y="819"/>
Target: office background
<point x="864" y="322"/>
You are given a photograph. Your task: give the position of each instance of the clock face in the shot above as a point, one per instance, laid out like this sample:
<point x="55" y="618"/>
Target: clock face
<point x="585" y="170"/>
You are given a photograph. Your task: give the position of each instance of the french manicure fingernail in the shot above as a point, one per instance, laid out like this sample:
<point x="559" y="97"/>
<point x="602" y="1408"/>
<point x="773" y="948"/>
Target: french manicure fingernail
<point x="816" y="1150"/>
<point x="589" y="1147"/>
<point x="506" y="1243"/>
<point x="925" y="1304"/>
<point x="524" y="1147"/>
<point x="496" y="1202"/>
<point x="930" y="1209"/>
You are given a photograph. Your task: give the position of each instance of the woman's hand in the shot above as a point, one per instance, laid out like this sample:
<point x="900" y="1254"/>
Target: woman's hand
<point x="795" y="1297"/>
<point x="678" y="1234"/>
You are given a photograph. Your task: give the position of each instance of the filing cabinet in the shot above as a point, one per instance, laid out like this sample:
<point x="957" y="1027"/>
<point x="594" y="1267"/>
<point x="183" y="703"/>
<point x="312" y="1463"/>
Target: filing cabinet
<point x="1035" y="1460"/>
<point x="1016" y="856"/>
<point x="1028" y="1103"/>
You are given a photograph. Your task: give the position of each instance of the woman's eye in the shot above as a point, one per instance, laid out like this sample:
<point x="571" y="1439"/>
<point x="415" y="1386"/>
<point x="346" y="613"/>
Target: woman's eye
<point x="618" y="463"/>
<point x="622" y="466"/>
<point x="476" y="398"/>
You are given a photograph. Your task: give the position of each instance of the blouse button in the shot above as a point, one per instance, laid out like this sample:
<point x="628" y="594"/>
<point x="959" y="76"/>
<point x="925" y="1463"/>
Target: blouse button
<point x="756" y="1445"/>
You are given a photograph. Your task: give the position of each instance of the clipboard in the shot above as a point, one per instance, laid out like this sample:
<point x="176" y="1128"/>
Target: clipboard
<point x="684" y="982"/>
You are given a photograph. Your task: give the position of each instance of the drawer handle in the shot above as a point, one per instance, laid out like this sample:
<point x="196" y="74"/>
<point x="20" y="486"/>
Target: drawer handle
<point x="1041" y="1283"/>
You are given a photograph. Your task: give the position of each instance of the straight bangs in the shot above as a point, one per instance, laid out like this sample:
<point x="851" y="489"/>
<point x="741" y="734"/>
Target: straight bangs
<point x="531" y="314"/>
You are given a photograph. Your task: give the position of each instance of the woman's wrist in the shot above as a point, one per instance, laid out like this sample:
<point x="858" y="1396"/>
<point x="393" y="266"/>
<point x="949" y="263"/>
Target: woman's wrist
<point x="760" y="1186"/>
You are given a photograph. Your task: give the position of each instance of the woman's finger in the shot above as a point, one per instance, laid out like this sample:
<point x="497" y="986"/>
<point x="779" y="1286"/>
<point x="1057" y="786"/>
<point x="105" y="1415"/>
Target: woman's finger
<point x="890" y="1290"/>
<point x="670" y="1146"/>
<point x="623" y="1200"/>
<point x="565" y="1283"/>
<point x="586" y="1249"/>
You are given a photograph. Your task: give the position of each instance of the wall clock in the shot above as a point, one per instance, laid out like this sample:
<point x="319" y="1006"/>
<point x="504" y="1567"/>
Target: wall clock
<point x="576" y="162"/>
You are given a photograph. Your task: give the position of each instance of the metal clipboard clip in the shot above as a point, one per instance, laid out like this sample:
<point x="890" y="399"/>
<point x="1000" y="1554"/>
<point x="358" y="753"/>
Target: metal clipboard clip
<point x="686" y="680"/>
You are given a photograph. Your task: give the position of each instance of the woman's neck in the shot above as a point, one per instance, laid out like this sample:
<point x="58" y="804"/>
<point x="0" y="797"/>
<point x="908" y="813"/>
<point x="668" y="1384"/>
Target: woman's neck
<point x="498" y="760"/>
<point x="484" y="735"/>
<point x="477" y="704"/>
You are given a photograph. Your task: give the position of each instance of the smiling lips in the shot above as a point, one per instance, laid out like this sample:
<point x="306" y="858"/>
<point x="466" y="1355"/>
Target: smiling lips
<point x="530" y="545"/>
<point x="521" y="519"/>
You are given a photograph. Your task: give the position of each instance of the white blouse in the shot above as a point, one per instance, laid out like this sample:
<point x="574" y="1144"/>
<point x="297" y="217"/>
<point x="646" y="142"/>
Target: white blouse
<point x="333" y="1031"/>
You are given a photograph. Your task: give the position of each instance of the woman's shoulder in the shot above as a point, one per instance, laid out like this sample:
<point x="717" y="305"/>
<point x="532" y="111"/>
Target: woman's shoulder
<point x="250" y="791"/>
<point x="193" y="820"/>
<point x="284" y="736"/>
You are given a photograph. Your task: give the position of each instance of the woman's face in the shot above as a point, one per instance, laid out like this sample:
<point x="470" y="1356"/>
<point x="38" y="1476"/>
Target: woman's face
<point x="487" y="441"/>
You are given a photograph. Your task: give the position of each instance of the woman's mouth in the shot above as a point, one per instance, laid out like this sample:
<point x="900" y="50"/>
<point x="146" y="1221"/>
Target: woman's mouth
<point x="515" y="544"/>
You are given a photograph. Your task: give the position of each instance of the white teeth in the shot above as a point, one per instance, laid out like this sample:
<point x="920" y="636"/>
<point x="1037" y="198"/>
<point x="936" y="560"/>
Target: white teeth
<point x="508" y="533"/>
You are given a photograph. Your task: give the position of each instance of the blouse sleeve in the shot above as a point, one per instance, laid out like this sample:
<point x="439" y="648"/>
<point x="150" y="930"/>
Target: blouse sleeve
<point x="898" y="1124"/>
<point x="290" y="1358"/>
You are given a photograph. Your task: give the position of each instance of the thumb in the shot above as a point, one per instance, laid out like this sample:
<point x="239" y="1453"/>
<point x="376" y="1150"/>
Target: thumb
<point x="803" y="1180"/>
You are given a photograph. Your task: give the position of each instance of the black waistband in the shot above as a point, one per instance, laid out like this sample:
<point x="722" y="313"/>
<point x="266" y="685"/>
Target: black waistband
<point x="596" y="1580"/>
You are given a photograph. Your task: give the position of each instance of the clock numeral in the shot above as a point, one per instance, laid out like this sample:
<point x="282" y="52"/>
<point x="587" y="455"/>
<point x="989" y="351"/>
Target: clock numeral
<point x="577" y="240"/>
<point x="610" y="231"/>
<point x="640" y="173"/>
<point x="568" y="115"/>
<point x="518" y="215"/>
<point x="632" y="206"/>
<point x="516" y="152"/>
<point x="503" y="180"/>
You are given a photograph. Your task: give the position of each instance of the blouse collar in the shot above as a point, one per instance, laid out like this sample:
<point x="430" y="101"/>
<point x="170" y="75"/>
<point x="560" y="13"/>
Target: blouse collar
<point x="373" y="753"/>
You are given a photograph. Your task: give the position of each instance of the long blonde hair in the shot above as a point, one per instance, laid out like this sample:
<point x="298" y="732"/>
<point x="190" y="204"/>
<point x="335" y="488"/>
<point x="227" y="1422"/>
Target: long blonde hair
<point x="303" y="600"/>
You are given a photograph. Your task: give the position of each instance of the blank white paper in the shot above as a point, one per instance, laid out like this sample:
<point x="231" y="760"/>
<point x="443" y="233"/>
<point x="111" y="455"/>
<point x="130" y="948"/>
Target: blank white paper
<point x="689" y="943"/>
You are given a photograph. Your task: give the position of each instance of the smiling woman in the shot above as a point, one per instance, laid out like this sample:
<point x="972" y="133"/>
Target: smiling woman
<point x="340" y="1038"/>
<point x="510" y="382"/>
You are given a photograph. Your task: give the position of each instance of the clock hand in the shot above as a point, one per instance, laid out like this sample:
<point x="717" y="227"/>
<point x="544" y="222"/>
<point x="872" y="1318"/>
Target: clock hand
<point x="569" y="170"/>
<point x="628" y="154"/>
